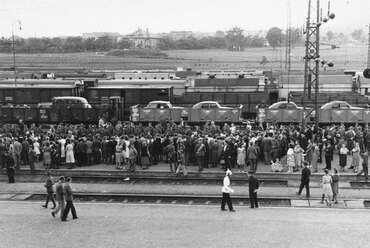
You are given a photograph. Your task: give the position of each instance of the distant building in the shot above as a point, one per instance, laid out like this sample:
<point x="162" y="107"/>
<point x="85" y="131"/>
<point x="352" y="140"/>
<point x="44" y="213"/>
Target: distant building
<point x="142" y="39"/>
<point x="97" y="35"/>
<point x="178" y="35"/>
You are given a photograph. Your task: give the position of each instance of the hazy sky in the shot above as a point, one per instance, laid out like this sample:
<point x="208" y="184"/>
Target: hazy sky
<point x="74" y="17"/>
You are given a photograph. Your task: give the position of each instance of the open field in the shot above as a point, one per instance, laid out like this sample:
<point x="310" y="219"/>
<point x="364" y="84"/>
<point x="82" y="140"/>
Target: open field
<point x="348" y="57"/>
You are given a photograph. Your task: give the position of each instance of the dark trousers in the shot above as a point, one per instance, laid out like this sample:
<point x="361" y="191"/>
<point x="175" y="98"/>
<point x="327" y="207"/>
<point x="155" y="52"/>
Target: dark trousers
<point x="50" y="197"/>
<point x="227" y="163"/>
<point x="71" y="207"/>
<point x="253" y="199"/>
<point x="200" y="161"/>
<point x="365" y="171"/>
<point x="88" y="158"/>
<point x="253" y="163"/>
<point x="328" y="162"/>
<point x="304" y="184"/>
<point x="24" y="157"/>
<point x="226" y="199"/>
<point x="10" y="173"/>
<point x="32" y="166"/>
<point x="96" y="157"/>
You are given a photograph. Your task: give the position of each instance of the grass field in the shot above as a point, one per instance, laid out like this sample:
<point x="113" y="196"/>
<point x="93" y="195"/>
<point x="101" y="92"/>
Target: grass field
<point x="349" y="57"/>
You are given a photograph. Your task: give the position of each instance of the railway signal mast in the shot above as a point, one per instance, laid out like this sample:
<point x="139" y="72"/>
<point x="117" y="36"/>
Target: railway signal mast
<point x="312" y="57"/>
<point x="288" y="46"/>
<point x="367" y="70"/>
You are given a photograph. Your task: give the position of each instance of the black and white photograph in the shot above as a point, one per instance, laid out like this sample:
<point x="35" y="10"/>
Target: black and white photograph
<point x="197" y="123"/>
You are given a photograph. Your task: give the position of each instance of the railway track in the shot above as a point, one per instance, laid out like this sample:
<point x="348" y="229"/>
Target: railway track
<point x="186" y="200"/>
<point x="137" y="179"/>
<point x="166" y="199"/>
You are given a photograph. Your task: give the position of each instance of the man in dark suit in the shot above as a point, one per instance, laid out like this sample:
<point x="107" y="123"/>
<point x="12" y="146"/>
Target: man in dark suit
<point x="305" y="180"/>
<point x="253" y="188"/>
<point x="69" y="199"/>
<point x="226" y="153"/>
<point x="9" y="165"/>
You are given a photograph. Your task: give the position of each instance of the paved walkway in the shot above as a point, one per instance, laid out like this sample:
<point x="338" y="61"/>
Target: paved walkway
<point x="27" y="224"/>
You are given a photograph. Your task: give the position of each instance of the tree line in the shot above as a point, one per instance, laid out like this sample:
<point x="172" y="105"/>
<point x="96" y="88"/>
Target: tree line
<point x="64" y="45"/>
<point x="233" y="39"/>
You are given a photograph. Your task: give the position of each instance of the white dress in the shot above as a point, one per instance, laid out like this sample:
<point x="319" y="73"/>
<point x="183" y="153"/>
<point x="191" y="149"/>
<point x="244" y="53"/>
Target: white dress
<point x="326" y="185"/>
<point x="70" y="158"/>
<point x="36" y="148"/>
<point x="62" y="148"/>
<point x="127" y="151"/>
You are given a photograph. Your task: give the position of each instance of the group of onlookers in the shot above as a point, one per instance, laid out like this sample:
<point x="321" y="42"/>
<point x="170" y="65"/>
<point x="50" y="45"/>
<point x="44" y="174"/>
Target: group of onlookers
<point x="128" y="145"/>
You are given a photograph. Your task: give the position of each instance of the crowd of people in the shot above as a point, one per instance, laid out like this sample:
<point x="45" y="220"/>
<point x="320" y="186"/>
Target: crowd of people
<point x="129" y="146"/>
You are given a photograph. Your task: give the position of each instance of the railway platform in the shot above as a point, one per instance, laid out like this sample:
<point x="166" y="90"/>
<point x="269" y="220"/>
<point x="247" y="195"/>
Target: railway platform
<point x="103" y="183"/>
<point x="162" y="170"/>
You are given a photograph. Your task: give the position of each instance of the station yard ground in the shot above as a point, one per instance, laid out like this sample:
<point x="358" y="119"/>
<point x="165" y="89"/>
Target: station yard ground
<point x="25" y="224"/>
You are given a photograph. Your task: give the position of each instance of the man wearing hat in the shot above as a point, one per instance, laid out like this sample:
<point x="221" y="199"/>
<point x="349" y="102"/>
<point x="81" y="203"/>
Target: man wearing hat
<point x="226" y="190"/>
<point x="253" y="187"/>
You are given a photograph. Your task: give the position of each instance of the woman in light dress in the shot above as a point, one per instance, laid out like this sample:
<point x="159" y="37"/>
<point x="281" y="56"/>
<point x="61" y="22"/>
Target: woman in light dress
<point x="62" y="143"/>
<point x="290" y="159"/>
<point x="119" y="157"/>
<point x="326" y="187"/>
<point x="36" y="148"/>
<point x="356" y="157"/>
<point x="126" y="151"/>
<point x="315" y="157"/>
<point x="241" y="157"/>
<point x="47" y="155"/>
<point x="70" y="158"/>
<point x="298" y="152"/>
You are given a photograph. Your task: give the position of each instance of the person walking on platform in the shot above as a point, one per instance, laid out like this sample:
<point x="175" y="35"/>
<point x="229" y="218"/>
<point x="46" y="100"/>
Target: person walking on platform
<point x="365" y="162"/>
<point x="305" y="180"/>
<point x="226" y="190"/>
<point x="68" y="192"/>
<point x="60" y="197"/>
<point x="49" y="189"/>
<point x="9" y="165"/>
<point x="326" y="187"/>
<point x="253" y="188"/>
<point x="334" y="185"/>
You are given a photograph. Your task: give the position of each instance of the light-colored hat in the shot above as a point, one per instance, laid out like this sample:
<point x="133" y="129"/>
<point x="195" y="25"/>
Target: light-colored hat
<point x="228" y="172"/>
